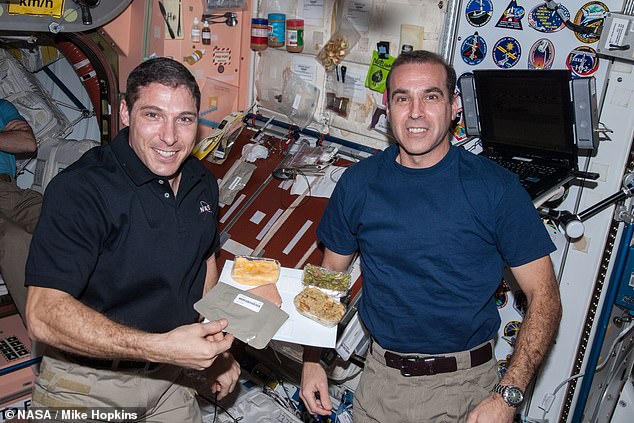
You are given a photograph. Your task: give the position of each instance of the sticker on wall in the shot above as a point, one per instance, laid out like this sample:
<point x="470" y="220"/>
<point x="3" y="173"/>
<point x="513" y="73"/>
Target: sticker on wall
<point x="506" y="52"/>
<point x="583" y="61"/>
<point x="520" y="302"/>
<point x="512" y="17"/>
<point x="591" y="17"/>
<point x="503" y="365"/>
<point x="501" y="294"/>
<point x="541" y="54"/>
<point x="474" y="49"/>
<point x="459" y="131"/>
<point x="221" y="56"/>
<point x="510" y="331"/>
<point x="479" y="12"/>
<point x="542" y="19"/>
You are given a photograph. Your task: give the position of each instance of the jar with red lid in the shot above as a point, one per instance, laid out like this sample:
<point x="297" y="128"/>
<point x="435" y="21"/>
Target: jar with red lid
<point x="295" y="35"/>
<point x="259" y="34"/>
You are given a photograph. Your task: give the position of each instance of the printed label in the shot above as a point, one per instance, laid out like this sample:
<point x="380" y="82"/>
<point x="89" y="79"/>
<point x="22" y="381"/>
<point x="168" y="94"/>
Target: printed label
<point x="247" y="302"/>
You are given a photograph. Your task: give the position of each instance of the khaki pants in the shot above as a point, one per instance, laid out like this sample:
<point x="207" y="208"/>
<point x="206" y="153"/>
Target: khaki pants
<point x="19" y="213"/>
<point x="384" y="395"/>
<point x="161" y="392"/>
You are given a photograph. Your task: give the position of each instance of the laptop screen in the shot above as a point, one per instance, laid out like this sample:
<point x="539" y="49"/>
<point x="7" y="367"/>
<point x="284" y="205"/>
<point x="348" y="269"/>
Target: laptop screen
<point x="526" y="112"/>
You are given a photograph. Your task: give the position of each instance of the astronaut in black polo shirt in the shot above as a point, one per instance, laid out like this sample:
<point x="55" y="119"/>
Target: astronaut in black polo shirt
<point x="124" y="247"/>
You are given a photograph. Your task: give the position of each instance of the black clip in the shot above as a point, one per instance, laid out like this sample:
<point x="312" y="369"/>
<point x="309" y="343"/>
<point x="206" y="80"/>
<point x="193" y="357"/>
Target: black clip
<point x="383" y="48"/>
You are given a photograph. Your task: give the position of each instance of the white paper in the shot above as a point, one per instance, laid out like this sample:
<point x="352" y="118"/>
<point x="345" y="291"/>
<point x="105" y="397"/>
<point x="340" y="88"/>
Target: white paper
<point x="616" y="36"/>
<point x="257" y="217"/>
<point x="313" y="12"/>
<point x="322" y="187"/>
<point x="236" y="248"/>
<point x="305" y="67"/>
<point x="297" y="329"/>
<point x="358" y="12"/>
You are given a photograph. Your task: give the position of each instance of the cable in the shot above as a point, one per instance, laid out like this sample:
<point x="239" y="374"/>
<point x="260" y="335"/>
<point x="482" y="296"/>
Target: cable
<point x="217" y="406"/>
<point x="616" y="340"/>
<point x="550" y="398"/>
<point x="551" y="5"/>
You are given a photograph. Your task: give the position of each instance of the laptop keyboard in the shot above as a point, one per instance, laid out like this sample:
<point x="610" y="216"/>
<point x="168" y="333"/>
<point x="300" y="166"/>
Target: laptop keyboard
<point x="12" y="348"/>
<point x="528" y="172"/>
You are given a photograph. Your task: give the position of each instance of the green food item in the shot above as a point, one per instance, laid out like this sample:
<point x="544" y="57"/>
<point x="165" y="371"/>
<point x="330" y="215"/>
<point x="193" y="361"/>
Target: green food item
<point x="326" y="279"/>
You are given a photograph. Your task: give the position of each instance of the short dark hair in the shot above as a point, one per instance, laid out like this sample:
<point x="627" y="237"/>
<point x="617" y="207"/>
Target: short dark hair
<point x="164" y="71"/>
<point x="420" y="57"/>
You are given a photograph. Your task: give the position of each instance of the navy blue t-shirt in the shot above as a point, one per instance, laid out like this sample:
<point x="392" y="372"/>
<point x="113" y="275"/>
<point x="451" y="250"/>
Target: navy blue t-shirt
<point x="433" y="245"/>
<point x="113" y="235"/>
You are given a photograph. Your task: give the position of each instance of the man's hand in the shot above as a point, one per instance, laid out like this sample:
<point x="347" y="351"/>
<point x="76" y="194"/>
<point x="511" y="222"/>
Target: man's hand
<point x="268" y="292"/>
<point x="492" y="409"/>
<point x="16" y="125"/>
<point x="194" y="346"/>
<point x="223" y="375"/>
<point x="314" y="389"/>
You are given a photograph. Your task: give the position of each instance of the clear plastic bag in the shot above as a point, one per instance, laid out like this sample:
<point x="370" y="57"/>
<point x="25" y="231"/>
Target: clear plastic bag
<point x="339" y="45"/>
<point x="299" y="100"/>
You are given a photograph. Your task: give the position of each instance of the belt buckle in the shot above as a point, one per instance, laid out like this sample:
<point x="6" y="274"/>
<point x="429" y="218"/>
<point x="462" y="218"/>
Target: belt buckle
<point x="428" y="365"/>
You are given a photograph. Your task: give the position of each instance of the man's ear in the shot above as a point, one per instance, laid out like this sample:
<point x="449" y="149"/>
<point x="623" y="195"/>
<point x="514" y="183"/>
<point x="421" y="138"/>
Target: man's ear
<point x="124" y="113"/>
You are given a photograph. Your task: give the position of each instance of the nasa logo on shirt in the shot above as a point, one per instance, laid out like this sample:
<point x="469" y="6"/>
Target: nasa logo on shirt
<point x="591" y="17"/>
<point x="507" y="52"/>
<point x="479" y="12"/>
<point x="541" y="55"/>
<point x="542" y="19"/>
<point x="512" y="17"/>
<point x="583" y="61"/>
<point x="205" y="209"/>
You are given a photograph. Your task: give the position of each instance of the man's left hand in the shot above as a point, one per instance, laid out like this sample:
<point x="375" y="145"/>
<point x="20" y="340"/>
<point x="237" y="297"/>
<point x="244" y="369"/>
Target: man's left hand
<point x="492" y="410"/>
<point x="223" y="375"/>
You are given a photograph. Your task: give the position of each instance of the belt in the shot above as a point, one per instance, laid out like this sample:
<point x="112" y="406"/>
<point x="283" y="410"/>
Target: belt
<point x="104" y="364"/>
<point x="5" y="177"/>
<point x="411" y="365"/>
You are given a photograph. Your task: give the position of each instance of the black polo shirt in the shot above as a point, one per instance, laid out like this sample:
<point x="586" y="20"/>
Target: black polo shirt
<point x="113" y="235"/>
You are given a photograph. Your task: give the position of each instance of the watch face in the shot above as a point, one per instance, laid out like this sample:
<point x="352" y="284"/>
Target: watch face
<point x="513" y="396"/>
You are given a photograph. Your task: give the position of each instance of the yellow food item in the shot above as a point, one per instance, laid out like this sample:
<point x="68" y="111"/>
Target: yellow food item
<point x="255" y="271"/>
<point x="316" y="305"/>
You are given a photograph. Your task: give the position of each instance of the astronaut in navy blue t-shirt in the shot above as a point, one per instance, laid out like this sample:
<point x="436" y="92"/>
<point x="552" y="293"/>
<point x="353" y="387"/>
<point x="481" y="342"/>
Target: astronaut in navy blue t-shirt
<point x="435" y="226"/>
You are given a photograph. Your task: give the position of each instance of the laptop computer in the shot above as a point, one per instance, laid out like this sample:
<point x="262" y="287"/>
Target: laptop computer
<point x="16" y="376"/>
<point x="527" y="125"/>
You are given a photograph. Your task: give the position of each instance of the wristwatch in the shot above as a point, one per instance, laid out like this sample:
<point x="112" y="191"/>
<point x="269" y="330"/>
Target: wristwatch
<point x="512" y="395"/>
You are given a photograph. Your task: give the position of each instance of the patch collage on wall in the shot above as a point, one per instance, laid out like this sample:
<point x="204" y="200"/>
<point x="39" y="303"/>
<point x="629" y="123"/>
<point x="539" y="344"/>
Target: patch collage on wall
<point x="523" y="35"/>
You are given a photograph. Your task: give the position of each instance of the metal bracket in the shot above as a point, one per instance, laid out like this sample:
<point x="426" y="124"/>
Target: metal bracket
<point x="623" y="213"/>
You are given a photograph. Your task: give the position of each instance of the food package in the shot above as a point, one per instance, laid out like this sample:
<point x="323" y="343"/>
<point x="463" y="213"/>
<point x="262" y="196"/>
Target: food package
<point x="255" y="271"/>
<point x="318" y="306"/>
<point x="338" y="46"/>
<point x="335" y="284"/>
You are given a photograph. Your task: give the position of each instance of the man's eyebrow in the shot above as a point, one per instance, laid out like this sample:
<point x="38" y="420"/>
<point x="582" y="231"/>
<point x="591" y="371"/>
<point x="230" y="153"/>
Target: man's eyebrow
<point x="434" y="90"/>
<point x="425" y="91"/>
<point x="399" y="91"/>
<point x="150" y="107"/>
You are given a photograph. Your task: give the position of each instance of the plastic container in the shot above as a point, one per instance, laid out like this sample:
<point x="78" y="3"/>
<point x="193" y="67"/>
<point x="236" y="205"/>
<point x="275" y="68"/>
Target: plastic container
<point x="317" y="306"/>
<point x="194" y="57"/>
<point x="295" y="35"/>
<point x="259" y="34"/>
<point x="206" y="34"/>
<point x="195" y="34"/>
<point x="255" y="271"/>
<point x="335" y="284"/>
<point x="277" y="29"/>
